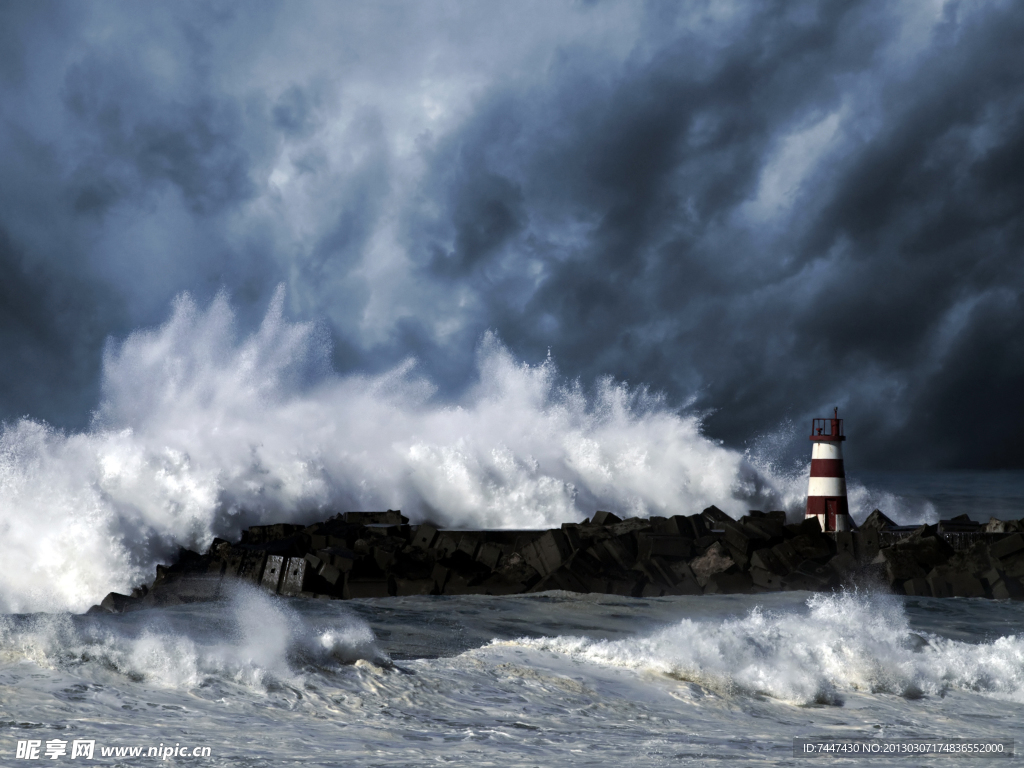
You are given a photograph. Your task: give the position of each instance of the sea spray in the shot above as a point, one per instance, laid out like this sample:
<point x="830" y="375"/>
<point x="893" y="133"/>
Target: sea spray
<point x="200" y="433"/>
<point x="841" y="643"/>
<point x="254" y="640"/>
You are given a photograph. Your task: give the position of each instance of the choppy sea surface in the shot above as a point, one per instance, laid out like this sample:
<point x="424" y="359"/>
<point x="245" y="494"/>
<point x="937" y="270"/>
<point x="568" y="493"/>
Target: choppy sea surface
<point x="531" y="680"/>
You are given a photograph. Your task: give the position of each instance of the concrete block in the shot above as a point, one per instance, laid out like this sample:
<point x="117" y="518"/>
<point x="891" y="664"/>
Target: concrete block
<point x="786" y="554"/>
<point x="489" y="555"/>
<point x="715" y="518"/>
<point x="697" y="525"/>
<point x="1004" y="549"/>
<point x="440" y="575"/>
<point x="766" y="560"/>
<point x="917" y="588"/>
<point x="626" y="585"/>
<point x="966" y="585"/>
<point x="654" y="545"/>
<point x="605" y="518"/>
<point x="812" y="547"/>
<point x="342" y="559"/>
<point x="548" y="553"/>
<point x="115" y="602"/>
<point x="729" y="584"/>
<point x="1013" y="565"/>
<point x="844" y="543"/>
<point x="843" y="564"/>
<point x="273" y="572"/>
<point x="383" y="557"/>
<point x="741" y="537"/>
<point x="766" y="579"/>
<point x="333" y="576"/>
<point x="866" y="544"/>
<point x="652" y="590"/>
<point x="294" y="578"/>
<point x="572" y="535"/>
<point x="621" y="549"/>
<point x="251" y="567"/>
<point x="938" y="583"/>
<point x="899" y="565"/>
<point x="446" y="543"/>
<point x="739" y="556"/>
<point x="877" y="521"/>
<point x="470" y="543"/>
<point x="424" y="536"/>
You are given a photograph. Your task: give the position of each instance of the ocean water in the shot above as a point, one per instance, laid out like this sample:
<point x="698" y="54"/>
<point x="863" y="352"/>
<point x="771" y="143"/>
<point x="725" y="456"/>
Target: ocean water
<point x="535" y="680"/>
<point x="202" y="432"/>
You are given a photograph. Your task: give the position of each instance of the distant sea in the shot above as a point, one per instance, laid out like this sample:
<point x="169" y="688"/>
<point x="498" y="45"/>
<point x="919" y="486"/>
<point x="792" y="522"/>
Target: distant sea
<point x="945" y="494"/>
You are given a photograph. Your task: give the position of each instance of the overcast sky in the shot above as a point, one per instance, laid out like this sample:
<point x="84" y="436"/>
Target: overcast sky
<point x="763" y="210"/>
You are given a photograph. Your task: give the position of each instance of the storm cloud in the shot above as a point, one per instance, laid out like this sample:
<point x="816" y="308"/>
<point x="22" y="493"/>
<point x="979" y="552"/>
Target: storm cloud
<point x="763" y="210"/>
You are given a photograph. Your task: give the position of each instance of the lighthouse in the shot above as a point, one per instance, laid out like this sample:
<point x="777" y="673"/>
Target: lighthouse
<point x="826" y="492"/>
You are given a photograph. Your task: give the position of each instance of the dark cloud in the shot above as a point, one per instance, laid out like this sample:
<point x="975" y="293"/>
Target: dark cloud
<point x="776" y="208"/>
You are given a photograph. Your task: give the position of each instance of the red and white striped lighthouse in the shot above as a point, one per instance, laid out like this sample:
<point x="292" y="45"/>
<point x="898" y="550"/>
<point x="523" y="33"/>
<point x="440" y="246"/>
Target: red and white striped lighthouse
<point x="826" y="492"/>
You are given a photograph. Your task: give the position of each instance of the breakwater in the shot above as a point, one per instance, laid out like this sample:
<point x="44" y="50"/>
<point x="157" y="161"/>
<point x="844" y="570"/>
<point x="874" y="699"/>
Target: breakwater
<point x="378" y="554"/>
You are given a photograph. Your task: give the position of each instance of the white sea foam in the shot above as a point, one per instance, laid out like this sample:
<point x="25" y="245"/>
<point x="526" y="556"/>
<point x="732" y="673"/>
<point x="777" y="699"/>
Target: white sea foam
<point x="264" y="641"/>
<point x="842" y="643"/>
<point x="200" y="434"/>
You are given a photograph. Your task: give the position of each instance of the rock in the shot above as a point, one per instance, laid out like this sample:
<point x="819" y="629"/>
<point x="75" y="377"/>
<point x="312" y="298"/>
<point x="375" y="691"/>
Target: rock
<point x="744" y="538"/>
<point x="115" y="602"/>
<point x="945" y="581"/>
<point x="1004" y="549"/>
<point x="810" y="576"/>
<point x="605" y="518"/>
<point x="877" y="521"/>
<point x="995" y="526"/>
<point x="697" y="525"/>
<point x="926" y="547"/>
<point x="715" y="518"/>
<point x="684" y="582"/>
<point x="716" y="560"/>
<point x="812" y="547"/>
<point x="843" y="565"/>
<point x="899" y="565"/>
